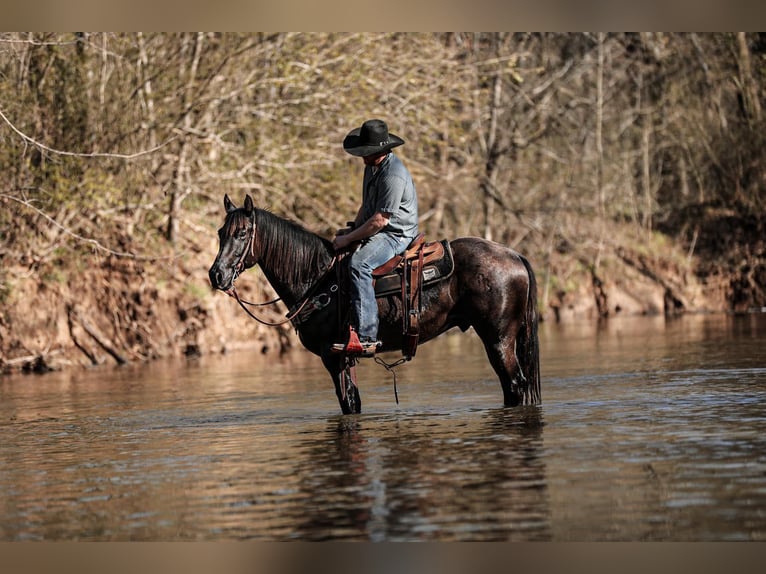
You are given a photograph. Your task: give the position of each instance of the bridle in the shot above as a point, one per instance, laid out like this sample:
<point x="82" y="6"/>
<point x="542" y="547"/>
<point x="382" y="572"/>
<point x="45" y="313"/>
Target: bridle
<point x="240" y="267"/>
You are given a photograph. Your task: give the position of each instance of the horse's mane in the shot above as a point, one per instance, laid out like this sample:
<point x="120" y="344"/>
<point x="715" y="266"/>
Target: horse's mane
<point x="286" y="248"/>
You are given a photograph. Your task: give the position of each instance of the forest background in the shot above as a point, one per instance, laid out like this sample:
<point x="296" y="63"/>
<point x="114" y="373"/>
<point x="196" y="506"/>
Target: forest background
<point x="628" y="167"/>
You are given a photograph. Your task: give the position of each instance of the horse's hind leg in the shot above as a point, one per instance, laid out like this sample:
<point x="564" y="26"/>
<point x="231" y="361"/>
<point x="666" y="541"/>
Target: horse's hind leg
<point x="344" y="379"/>
<point x="501" y="353"/>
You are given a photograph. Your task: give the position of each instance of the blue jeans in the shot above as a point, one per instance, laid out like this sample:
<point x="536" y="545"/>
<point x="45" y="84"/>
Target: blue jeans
<point x="373" y="252"/>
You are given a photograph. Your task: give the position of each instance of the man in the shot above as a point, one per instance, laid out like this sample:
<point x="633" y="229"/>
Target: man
<point x="386" y="223"/>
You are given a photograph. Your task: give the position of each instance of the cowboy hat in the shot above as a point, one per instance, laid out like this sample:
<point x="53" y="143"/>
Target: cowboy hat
<point x="372" y="138"/>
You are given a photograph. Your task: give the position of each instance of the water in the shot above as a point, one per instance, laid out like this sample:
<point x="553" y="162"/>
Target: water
<point x="649" y="430"/>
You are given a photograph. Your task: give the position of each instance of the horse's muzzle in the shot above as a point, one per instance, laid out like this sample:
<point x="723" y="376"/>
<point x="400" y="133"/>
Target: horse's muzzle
<point x="219" y="279"/>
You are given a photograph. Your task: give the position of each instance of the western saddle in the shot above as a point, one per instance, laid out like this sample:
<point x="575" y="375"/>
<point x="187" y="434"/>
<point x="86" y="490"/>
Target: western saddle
<point x="409" y="267"/>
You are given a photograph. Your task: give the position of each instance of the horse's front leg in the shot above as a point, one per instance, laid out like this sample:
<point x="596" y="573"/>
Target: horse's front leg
<point x="344" y="378"/>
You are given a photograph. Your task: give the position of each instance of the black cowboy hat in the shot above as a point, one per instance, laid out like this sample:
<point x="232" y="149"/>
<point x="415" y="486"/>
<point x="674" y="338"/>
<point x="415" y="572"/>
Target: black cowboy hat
<point x="372" y="138"/>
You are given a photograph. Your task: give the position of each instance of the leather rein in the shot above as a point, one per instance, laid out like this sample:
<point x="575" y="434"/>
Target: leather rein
<point x="240" y="266"/>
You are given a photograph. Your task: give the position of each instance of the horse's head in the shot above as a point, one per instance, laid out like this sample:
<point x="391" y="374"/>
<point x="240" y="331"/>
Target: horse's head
<point x="236" y="250"/>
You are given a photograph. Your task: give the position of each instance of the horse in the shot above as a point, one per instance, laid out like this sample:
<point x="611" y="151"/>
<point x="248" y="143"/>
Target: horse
<point x="492" y="289"/>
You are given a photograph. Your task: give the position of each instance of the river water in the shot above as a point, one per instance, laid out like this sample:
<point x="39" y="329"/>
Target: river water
<point x="649" y="430"/>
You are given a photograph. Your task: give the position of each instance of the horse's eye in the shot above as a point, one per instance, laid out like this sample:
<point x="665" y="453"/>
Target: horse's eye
<point x="243" y="234"/>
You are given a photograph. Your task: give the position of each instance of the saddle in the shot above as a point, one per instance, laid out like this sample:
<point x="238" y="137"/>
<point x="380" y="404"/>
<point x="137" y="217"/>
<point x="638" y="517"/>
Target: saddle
<point x="421" y="263"/>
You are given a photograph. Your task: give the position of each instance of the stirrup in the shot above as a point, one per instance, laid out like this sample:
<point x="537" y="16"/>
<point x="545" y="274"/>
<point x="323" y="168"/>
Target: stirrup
<point x="355" y="347"/>
<point x="366" y="349"/>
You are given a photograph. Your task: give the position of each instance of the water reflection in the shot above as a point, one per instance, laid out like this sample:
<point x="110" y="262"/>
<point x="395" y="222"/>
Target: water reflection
<point x="649" y="430"/>
<point x="480" y="477"/>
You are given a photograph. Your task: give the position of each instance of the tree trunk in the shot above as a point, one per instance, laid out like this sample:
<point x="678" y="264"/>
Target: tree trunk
<point x="180" y="187"/>
<point x="490" y="165"/>
<point x="599" y="128"/>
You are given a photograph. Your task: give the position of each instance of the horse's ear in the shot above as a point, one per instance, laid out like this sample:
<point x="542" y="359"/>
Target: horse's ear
<point x="248" y="204"/>
<point x="228" y="204"/>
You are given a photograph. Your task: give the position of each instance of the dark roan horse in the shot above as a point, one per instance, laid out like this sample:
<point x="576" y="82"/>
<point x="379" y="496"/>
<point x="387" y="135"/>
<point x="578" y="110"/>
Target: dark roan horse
<point x="492" y="289"/>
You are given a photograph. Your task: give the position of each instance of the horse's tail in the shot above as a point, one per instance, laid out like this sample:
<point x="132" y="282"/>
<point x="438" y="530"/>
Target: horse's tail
<point x="527" y="345"/>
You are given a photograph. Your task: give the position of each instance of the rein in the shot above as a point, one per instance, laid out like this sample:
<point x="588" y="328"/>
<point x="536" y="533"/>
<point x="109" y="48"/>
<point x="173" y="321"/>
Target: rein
<point x="233" y="293"/>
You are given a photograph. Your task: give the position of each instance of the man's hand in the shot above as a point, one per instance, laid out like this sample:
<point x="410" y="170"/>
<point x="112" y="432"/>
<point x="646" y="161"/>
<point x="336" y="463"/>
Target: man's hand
<point x="341" y="240"/>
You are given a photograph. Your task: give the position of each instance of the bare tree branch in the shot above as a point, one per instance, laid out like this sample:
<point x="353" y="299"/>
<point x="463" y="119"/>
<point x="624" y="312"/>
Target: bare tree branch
<point x="42" y="146"/>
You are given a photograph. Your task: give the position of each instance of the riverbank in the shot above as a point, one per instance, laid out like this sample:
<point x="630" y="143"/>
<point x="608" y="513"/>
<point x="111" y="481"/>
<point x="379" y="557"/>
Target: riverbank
<point x="84" y="310"/>
<point x="120" y="310"/>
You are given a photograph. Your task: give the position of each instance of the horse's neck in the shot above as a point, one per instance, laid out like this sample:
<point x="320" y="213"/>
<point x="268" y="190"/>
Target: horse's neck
<point x="290" y="291"/>
<point x="287" y="292"/>
<point x="281" y="262"/>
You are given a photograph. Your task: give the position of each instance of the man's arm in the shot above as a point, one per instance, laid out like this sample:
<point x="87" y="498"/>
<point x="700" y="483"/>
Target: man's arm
<point x="359" y="219"/>
<point x="367" y="229"/>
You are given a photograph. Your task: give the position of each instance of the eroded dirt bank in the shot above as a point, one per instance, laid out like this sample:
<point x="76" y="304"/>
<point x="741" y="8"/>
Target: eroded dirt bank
<point x="124" y="310"/>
